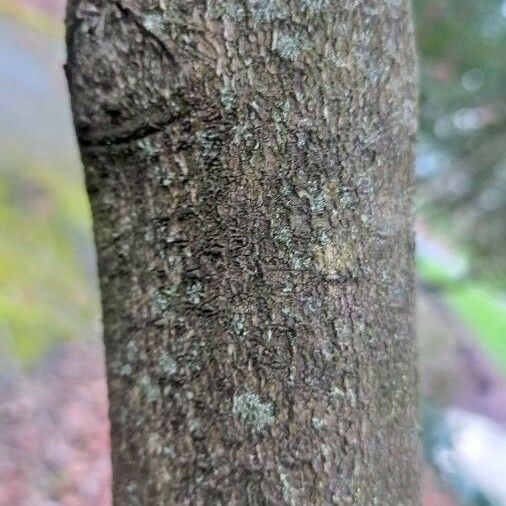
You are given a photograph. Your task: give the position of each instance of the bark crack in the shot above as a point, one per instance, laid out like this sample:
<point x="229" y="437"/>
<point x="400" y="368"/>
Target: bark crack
<point x="131" y="130"/>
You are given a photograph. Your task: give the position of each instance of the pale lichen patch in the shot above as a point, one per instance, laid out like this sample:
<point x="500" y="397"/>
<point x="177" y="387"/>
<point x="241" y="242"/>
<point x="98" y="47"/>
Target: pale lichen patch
<point x="301" y="262"/>
<point x="150" y="390"/>
<point x="228" y="10"/>
<point x="396" y="4"/>
<point x="324" y="238"/>
<point x="132" y="490"/>
<point x="318" y="202"/>
<point x="168" y="450"/>
<point x="289" y="47"/>
<point x="154" y="445"/>
<point x="227" y="98"/>
<point x="289" y="492"/>
<point x="336" y="393"/>
<point x="126" y="370"/>
<point x="238" y="325"/>
<point x="316" y="195"/>
<point x="167" y="364"/>
<point x="162" y="299"/>
<point x="335" y="259"/>
<point x="288" y="288"/>
<point x="154" y="23"/>
<point x="241" y="133"/>
<point x="286" y="310"/>
<point x="131" y="350"/>
<point x="283" y="235"/>
<point x="195" y="292"/>
<point x="315" y="6"/>
<point x="131" y="487"/>
<point x="147" y="148"/>
<point x="267" y="10"/>
<point x="252" y="412"/>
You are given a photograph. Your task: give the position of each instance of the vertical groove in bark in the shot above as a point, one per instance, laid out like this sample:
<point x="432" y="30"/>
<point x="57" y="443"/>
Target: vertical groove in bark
<point x="249" y="166"/>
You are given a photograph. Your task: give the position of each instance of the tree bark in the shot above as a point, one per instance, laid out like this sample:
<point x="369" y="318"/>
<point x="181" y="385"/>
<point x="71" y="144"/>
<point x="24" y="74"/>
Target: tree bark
<point x="249" y="166"/>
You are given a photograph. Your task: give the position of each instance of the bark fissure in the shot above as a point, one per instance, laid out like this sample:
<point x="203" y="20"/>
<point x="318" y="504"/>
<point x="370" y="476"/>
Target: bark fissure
<point x="130" y="131"/>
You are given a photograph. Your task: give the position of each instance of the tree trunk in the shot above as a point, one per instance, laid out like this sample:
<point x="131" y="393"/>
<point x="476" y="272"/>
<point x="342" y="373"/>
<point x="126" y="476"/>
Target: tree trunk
<point x="249" y="167"/>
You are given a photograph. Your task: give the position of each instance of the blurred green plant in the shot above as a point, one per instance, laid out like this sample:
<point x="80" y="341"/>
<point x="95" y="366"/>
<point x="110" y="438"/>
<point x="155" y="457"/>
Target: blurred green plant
<point x="45" y="293"/>
<point x="462" y="155"/>
<point x="480" y="306"/>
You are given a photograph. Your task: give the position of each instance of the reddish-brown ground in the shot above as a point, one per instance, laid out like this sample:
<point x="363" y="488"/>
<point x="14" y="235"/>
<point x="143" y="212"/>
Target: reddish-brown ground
<point x="54" y="432"/>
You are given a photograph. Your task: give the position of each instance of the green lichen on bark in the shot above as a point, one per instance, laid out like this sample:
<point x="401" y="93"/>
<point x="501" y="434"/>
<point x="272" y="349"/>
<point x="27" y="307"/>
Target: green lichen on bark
<point x="289" y="47"/>
<point x="315" y="5"/>
<point x="238" y="325"/>
<point x="317" y="423"/>
<point x="168" y="365"/>
<point x="268" y="10"/>
<point x="252" y="412"/>
<point x="149" y="389"/>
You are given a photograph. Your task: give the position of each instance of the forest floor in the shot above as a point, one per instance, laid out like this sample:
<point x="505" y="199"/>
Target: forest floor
<point x="54" y="431"/>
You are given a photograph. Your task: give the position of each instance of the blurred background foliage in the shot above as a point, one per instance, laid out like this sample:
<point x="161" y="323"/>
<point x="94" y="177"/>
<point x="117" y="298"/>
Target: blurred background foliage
<point x="47" y="275"/>
<point x="461" y="163"/>
<point x="462" y="144"/>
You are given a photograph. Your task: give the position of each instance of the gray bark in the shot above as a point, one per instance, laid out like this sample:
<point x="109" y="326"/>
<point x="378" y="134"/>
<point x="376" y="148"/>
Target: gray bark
<point x="249" y="167"/>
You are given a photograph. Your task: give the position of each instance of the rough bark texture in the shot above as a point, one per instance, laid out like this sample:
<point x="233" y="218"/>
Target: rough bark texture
<point x="249" y="166"/>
